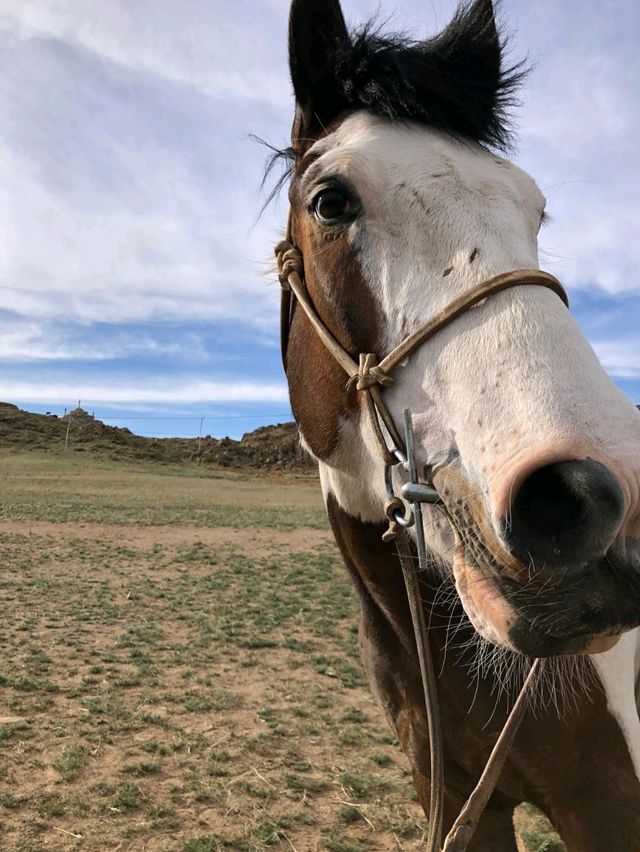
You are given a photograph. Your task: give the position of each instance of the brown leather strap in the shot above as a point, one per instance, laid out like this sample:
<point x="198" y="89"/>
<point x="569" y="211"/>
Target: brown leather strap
<point x="286" y="306"/>
<point x="468" y="300"/>
<point x="290" y="270"/>
<point x="463" y="829"/>
<point x="370" y="371"/>
<point x="430" y="690"/>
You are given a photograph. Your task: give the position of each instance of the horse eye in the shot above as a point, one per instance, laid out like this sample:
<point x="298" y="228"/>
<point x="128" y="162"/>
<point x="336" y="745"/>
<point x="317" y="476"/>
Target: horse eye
<point x="331" y="205"/>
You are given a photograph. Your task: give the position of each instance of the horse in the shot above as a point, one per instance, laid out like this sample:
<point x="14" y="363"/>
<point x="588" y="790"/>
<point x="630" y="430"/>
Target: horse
<point x="403" y="206"/>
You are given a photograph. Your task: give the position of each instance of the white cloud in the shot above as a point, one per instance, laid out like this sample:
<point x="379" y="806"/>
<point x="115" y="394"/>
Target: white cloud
<point x="199" y="43"/>
<point x="121" y="266"/>
<point x="115" y="219"/>
<point x="578" y="130"/>
<point x="165" y="392"/>
<point x="128" y="191"/>
<point x="621" y="358"/>
<point x="31" y="341"/>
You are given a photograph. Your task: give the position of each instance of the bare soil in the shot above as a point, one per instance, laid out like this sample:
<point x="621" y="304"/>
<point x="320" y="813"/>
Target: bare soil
<point x="258" y="543"/>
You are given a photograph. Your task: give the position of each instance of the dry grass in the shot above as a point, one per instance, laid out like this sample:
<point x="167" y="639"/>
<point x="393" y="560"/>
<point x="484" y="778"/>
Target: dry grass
<point x="70" y="488"/>
<point x="168" y="686"/>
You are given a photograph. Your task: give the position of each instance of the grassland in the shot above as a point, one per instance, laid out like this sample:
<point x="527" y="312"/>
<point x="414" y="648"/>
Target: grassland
<point x="180" y="671"/>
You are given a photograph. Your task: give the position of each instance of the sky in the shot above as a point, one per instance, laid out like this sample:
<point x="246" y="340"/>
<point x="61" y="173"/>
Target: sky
<point x="135" y="270"/>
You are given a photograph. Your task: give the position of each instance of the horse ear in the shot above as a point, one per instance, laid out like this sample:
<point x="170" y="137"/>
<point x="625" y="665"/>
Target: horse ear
<point x="455" y="81"/>
<point x="472" y="39"/>
<point x="318" y="42"/>
<point x="468" y="53"/>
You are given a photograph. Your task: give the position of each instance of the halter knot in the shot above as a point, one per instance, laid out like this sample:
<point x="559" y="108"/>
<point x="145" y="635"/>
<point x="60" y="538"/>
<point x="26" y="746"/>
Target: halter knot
<point x="369" y="373"/>
<point x="289" y="260"/>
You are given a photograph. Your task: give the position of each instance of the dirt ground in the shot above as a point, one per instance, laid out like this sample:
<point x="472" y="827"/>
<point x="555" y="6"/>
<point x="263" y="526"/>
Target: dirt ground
<point x="167" y="685"/>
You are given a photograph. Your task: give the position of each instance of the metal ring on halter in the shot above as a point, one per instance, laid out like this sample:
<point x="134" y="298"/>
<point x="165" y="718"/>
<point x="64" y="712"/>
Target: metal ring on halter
<point x="407" y="519"/>
<point x="388" y="482"/>
<point x="402" y="459"/>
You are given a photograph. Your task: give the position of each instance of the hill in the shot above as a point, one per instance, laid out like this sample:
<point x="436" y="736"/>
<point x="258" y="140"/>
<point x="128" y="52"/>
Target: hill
<point x="270" y="447"/>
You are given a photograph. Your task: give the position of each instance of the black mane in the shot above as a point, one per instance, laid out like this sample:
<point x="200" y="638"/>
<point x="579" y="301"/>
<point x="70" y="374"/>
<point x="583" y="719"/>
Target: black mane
<point x="398" y="78"/>
<point x="455" y="81"/>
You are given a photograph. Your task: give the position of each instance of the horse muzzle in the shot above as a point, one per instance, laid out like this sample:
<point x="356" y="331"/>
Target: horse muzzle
<point x="564" y="515"/>
<point x="549" y="580"/>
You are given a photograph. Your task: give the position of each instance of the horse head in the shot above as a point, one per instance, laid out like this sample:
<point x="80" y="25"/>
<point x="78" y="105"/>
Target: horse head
<point x="400" y="204"/>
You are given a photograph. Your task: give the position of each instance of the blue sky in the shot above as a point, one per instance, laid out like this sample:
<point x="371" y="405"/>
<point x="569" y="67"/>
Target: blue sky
<point x="134" y="272"/>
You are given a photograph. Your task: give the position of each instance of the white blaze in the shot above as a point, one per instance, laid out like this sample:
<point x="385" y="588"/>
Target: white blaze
<point x="618" y="671"/>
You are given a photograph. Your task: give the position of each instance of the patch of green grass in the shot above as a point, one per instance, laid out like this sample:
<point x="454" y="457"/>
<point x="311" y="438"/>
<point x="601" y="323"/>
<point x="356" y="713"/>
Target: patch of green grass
<point x="153" y="747"/>
<point x="181" y="675"/>
<point x="349" y="814"/>
<point x="269" y="831"/>
<point x="70" y="762"/>
<point x="154" y="719"/>
<point x="142" y="768"/>
<point x="361" y="785"/>
<point x="8" y="800"/>
<point x="302" y="784"/>
<point x="334" y="842"/>
<point x="126" y="797"/>
<point x="50" y="805"/>
<point x="343" y="670"/>
<point x="209" y="843"/>
<point x="536" y="831"/>
<point x="353" y="714"/>
<point x="197" y="702"/>
<point x="9" y="730"/>
<point x="65" y="488"/>
<point x="536" y="842"/>
<point x="218" y="761"/>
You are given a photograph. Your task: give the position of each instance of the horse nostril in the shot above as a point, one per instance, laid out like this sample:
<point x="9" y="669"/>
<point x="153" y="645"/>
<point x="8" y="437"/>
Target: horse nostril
<point x="565" y="515"/>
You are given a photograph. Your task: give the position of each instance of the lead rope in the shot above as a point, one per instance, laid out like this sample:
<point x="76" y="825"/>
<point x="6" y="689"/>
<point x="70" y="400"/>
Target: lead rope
<point x="465" y="825"/>
<point x="369" y="377"/>
<point x="463" y="829"/>
<point x="421" y="493"/>
<point x="430" y="690"/>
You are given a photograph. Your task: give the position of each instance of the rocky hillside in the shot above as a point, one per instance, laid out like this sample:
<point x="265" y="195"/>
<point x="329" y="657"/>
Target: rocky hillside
<point x="268" y="448"/>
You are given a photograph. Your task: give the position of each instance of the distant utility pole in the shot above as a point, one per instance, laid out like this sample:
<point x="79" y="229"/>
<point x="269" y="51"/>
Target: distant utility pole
<point x="200" y="434"/>
<point x="66" y="439"/>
